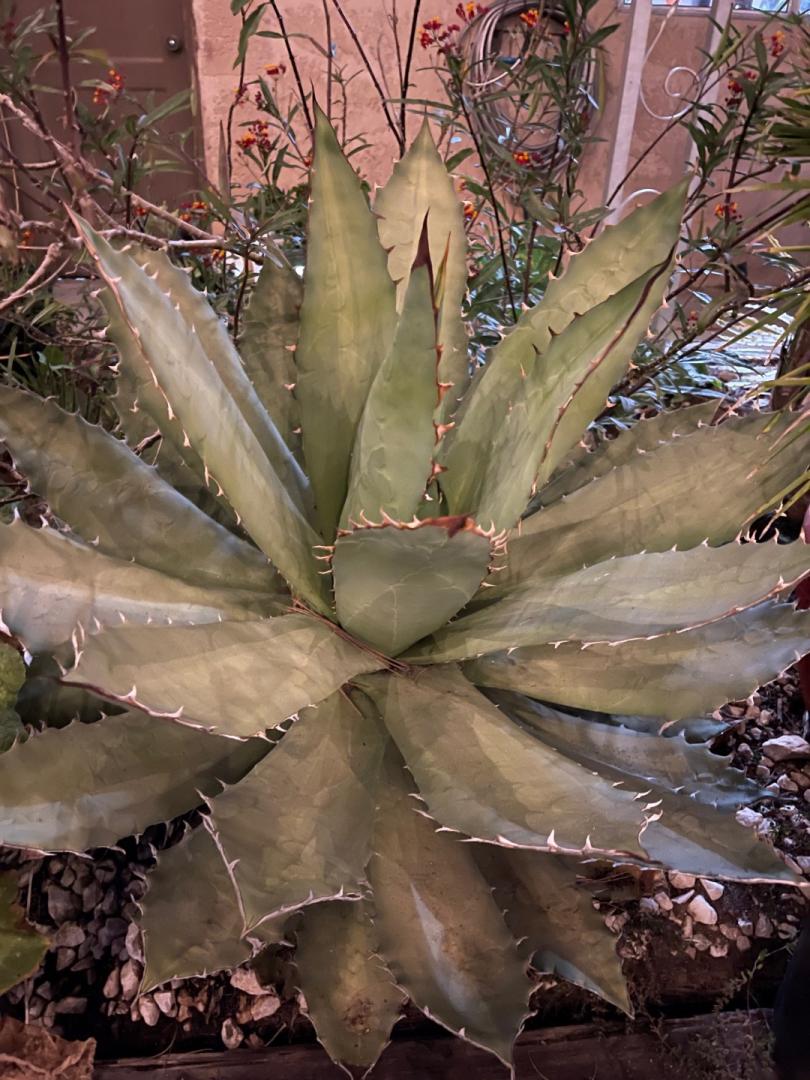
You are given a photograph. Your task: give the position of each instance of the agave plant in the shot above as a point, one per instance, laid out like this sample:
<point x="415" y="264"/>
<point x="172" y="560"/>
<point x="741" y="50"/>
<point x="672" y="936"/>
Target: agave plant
<point x="369" y="609"/>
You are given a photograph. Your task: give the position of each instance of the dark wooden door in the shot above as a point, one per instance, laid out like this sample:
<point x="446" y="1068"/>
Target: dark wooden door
<point x="150" y="42"/>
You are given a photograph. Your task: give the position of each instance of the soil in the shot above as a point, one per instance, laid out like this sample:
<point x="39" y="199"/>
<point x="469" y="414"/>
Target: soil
<point x="688" y="945"/>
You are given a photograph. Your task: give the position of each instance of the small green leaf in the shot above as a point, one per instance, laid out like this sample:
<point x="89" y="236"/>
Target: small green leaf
<point x="236" y="678"/>
<point x="249" y="28"/>
<point x="51" y="797"/>
<point x="297" y="829"/>
<point x="347" y="322"/>
<point x="439" y="929"/>
<point x="544" y="905"/>
<point x="21" y="948"/>
<point x="382" y="576"/>
<point x="351" y="998"/>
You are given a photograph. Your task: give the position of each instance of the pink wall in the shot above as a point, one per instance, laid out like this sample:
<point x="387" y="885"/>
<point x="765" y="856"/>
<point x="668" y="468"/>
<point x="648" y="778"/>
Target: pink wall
<point x="684" y="36"/>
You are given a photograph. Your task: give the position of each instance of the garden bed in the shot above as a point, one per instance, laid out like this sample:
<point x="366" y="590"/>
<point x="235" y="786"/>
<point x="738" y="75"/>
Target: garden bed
<point x="688" y="946"/>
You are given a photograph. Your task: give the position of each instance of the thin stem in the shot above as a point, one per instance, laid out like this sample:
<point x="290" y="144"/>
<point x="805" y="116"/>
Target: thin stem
<point x="406" y="78"/>
<point x="71" y="124"/>
<point x="372" y="75"/>
<point x="330" y="61"/>
<point x="493" y="200"/>
<point x="293" y="65"/>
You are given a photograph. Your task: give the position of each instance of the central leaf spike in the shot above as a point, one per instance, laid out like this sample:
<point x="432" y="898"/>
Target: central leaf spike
<point x="396" y="582"/>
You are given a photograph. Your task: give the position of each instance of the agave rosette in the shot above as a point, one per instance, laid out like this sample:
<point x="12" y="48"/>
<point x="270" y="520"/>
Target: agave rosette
<point x="480" y="630"/>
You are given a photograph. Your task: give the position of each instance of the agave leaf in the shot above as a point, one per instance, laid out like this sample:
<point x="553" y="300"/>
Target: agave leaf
<point x="393" y="452"/>
<point x="383" y="575"/>
<point x="544" y="905"/>
<point x="347" y="322"/>
<point x="351" y="998"/>
<point x="652" y="502"/>
<point x="297" y="830"/>
<point x="583" y="465"/>
<point x="673" y="676"/>
<point x="482" y="774"/>
<point x="196" y="394"/>
<point x="692" y="793"/>
<point x="420" y="187"/>
<point x="21" y="948"/>
<point x="237" y="678"/>
<point x="439" y="929"/>
<point x="560" y="396"/>
<point x="151" y="770"/>
<point x="114" y="500"/>
<point x="50" y="584"/>
<point x="618" y="257"/>
<point x="636" y="596"/>
<point x="268" y="342"/>
<point x="198" y="315"/>
<point x="191" y="921"/>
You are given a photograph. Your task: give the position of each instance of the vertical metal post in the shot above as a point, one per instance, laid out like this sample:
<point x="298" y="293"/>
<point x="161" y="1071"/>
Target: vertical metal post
<point x="631" y="91"/>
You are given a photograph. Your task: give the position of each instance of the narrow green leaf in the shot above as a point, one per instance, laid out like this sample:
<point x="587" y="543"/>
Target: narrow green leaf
<point x="236" y="678"/>
<point x="673" y="676"/>
<point x="622" y="599"/>
<point x="393" y="451"/>
<point x="50" y="585"/>
<point x="689" y="794"/>
<point x="421" y="186"/>
<point x="111" y="498"/>
<point x="297" y="830"/>
<point x="249" y="28"/>
<point x="172" y="354"/>
<point x="619" y="256"/>
<point x="347" y="322"/>
<point x="439" y="929"/>
<point x="21" y="948"/>
<point x="544" y="905"/>
<point x="383" y="575"/>
<point x="351" y="998"/>
<point x="267" y="346"/>
<point x="482" y="774"/>
<point x="652" y="503"/>
<point x="51" y="797"/>
<point x="583" y="465"/>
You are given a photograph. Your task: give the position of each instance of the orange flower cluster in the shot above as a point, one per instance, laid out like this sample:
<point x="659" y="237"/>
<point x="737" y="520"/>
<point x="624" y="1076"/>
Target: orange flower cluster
<point x="777" y="44"/>
<point x="258" y="135"/>
<point x="728" y="211"/>
<point x="102" y="95"/>
<point x="240" y="95"/>
<point x="522" y="157"/>
<point x="467" y="12"/>
<point x="434" y="34"/>
<point x="470" y="213"/>
<point x="275" y="70"/>
<point x="190" y="210"/>
<point x="530" y="18"/>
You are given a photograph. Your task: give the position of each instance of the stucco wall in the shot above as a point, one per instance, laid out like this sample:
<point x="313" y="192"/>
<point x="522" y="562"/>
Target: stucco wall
<point x="684" y="36"/>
